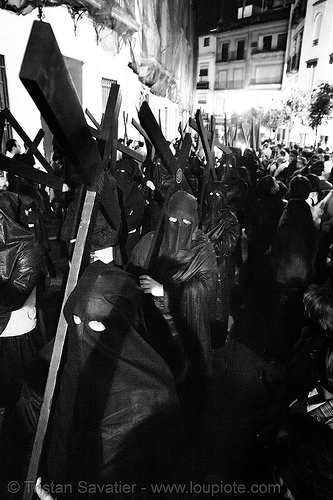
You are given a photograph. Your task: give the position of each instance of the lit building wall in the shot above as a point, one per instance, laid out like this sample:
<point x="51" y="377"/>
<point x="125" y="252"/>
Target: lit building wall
<point x="245" y="68"/>
<point x="316" y="63"/>
<point x="101" y="64"/>
<point x="309" y="60"/>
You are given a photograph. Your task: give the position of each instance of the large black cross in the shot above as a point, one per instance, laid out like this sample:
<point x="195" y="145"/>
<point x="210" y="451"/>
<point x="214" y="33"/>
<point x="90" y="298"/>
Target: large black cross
<point x="46" y="78"/>
<point x="32" y="145"/>
<point x="208" y="144"/>
<point x="22" y="169"/>
<point x="97" y="133"/>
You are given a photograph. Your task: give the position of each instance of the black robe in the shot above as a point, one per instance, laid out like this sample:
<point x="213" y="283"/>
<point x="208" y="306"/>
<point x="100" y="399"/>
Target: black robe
<point x="117" y="415"/>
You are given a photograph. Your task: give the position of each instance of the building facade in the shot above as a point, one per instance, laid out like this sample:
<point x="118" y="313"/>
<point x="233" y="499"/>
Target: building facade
<point x="241" y="63"/>
<point x="273" y="48"/>
<point x="309" y="60"/>
<point x="130" y="42"/>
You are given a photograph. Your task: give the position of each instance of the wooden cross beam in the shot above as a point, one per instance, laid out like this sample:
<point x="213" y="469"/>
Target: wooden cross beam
<point x="208" y="146"/>
<point x="98" y="131"/>
<point x="32" y="145"/>
<point x="64" y="116"/>
<point x="157" y="138"/>
<point x="22" y="169"/>
<point x="125" y="118"/>
<point x="46" y="78"/>
<point x="109" y="125"/>
<point x="130" y="152"/>
<point x="2" y="127"/>
<point x="150" y="148"/>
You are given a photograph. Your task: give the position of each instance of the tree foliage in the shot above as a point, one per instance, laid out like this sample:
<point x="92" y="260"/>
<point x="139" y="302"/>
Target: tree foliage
<point x="321" y="105"/>
<point x="311" y="108"/>
<point x="296" y="104"/>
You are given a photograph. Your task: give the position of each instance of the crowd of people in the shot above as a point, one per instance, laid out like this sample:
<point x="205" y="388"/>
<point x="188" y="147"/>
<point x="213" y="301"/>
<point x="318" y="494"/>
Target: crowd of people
<point x="169" y="279"/>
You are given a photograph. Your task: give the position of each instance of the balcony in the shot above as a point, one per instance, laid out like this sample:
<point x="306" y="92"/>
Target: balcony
<point x="234" y="56"/>
<point x="220" y="59"/>
<point x="255" y="50"/>
<point x="266" y="81"/>
<point x="293" y="63"/>
<point x="202" y="85"/>
<point x="229" y="85"/>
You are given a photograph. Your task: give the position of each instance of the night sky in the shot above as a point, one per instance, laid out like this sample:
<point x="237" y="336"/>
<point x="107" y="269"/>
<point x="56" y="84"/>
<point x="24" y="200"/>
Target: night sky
<point x="210" y="11"/>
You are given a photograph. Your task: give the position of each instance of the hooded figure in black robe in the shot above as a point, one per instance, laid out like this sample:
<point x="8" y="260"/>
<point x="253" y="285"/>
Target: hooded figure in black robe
<point x="117" y="415"/>
<point x="222" y="228"/>
<point x="180" y="290"/>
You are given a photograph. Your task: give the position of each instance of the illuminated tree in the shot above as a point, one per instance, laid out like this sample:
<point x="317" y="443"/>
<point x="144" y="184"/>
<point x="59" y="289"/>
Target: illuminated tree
<point x="321" y="106"/>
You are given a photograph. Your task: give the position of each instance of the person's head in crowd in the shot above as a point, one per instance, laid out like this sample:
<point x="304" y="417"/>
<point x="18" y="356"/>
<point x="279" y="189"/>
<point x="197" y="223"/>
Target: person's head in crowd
<point x="13" y="147"/>
<point x="307" y="153"/>
<point x="313" y="158"/>
<point x="318" y="307"/>
<point x="293" y="155"/>
<point x="327" y="157"/>
<point x="317" y="167"/>
<point x="301" y="162"/>
<point x="226" y="194"/>
<point x="244" y="174"/>
<point x="302" y="458"/>
<point x="181" y="221"/>
<point x="267" y="186"/>
<point x="299" y="187"/>
<point x="283" y="190"/>
<point x="236" y="191"/>
<point x="215" y="197"/>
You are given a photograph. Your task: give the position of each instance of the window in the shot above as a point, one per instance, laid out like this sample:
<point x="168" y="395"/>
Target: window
<point x="203" y="72"/>
<point x="106" y="86"/>
<point x="311" y="63"/>
<point x="238" y="78"/>
<point x="221" y="82"/>
<point x="225" y="51"/>
<point x="316" y="28"/>
<point x="282" y="41"/>
<point x="206" y="41"/>
<point x="222" y="51"/>
<point x="246" y="10"/>
<point x="240" y="49"/>
<point x="268" y="74"/>
<point x="267" y="43"/>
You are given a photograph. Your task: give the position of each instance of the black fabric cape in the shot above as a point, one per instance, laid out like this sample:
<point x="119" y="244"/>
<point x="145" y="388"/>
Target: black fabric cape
<point x="117" y="415"/>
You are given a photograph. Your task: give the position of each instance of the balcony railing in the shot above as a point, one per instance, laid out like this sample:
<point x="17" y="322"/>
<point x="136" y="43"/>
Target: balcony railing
<point x="202" y="85"/>
<point x="255" y="50"/>
<point x="231" y="84"/>
<point x="234" y="56"/>
<point x="219" y="58"/>
<point x="266" y="81"/>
